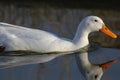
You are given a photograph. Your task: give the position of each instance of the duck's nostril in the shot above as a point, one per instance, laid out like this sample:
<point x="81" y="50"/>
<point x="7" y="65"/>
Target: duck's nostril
<point x="106" y="28"/>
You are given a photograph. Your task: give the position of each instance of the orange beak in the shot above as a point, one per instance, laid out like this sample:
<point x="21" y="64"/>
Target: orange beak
<point x="106" y="31"/>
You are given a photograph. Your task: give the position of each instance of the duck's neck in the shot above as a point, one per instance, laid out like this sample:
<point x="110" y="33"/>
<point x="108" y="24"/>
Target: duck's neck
<point x="81" y="37"/>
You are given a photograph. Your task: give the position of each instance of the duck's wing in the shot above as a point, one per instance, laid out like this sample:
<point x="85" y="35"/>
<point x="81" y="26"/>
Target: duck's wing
<point x="103" y="55"/>
<point x="23" y="32"/>
<point x="15" y="37"/>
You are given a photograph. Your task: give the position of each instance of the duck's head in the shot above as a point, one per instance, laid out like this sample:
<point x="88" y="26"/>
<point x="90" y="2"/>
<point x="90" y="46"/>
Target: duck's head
<point x="94" y="23"/>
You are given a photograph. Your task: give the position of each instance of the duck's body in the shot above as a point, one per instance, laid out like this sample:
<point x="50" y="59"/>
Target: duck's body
<point x="20" y="38"/>
<point x="14" y="37"/>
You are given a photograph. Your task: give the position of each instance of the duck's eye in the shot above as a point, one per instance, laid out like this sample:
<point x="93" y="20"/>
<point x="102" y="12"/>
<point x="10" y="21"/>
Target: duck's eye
<point x="96" y="20"/>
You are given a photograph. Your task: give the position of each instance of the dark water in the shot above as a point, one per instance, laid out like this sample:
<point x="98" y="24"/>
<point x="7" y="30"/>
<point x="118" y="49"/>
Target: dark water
<point x="63" y="22"/>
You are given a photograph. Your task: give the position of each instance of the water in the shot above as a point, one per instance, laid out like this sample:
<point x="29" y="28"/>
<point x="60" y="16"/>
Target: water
<point x="61" y="68"/>
<point x="62" y="22"/>
<point x="54" y="66"/>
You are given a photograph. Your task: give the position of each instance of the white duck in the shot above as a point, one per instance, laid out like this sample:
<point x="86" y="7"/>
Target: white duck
<point x="14" y="37"/>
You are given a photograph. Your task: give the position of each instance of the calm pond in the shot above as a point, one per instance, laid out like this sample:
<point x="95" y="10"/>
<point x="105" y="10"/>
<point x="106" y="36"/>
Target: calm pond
<point x="63" y="22"/>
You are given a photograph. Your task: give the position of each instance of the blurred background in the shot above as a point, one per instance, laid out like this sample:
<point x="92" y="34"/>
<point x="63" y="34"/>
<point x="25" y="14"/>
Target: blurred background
<point x="62" y="18"/>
